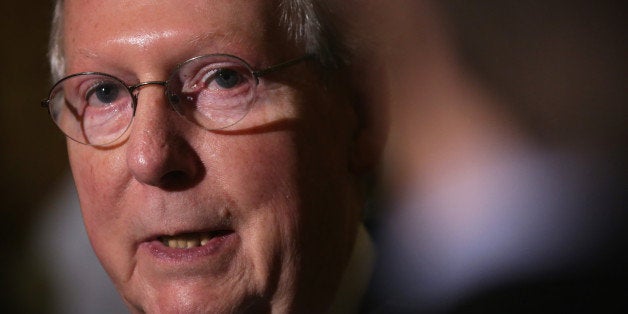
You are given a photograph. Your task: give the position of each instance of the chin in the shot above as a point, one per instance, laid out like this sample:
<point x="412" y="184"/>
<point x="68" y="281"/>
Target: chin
<point x="194" y="298"/>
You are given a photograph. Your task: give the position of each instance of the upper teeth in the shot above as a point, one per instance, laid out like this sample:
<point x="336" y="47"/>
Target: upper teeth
<point x="186" y="241"/>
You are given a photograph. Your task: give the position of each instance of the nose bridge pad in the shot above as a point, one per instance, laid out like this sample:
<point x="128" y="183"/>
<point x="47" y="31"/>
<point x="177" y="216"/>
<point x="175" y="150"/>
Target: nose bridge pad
<point x="134" y="104"/>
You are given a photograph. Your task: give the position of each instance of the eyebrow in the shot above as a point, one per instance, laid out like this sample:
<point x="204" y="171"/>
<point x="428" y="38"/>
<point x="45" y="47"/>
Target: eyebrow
<point x="212" y="36"/>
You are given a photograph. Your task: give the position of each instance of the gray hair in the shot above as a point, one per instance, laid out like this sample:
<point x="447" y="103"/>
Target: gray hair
<point x="55" y="49"/>
<point x="308" y="24"/>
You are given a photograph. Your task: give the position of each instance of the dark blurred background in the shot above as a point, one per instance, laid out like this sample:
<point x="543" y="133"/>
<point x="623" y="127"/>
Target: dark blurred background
<point x="561" y="64"/>
<point x="32" y="153"/>
<point x="507" y="156"/>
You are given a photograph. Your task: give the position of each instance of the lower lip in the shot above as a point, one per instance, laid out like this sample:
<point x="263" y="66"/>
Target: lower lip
<point x="214" y="247"/>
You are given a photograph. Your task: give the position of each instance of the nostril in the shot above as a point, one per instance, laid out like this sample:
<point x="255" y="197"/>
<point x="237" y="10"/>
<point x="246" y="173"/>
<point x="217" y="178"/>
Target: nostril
<point x="163" y="159"/>
<point x="176" y="180"/>
<point x="158" y="152"/>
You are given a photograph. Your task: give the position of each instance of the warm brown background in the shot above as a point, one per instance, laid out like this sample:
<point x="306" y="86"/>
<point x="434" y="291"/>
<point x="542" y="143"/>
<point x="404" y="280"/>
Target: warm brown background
<point x="32" y="152"/>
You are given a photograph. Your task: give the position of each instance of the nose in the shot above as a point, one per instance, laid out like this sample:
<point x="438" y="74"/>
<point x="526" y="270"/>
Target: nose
<point x="158" y="150"/>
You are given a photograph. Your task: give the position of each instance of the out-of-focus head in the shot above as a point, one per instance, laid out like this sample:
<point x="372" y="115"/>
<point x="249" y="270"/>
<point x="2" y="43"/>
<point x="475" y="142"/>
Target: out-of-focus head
<point x="259" y="214"/>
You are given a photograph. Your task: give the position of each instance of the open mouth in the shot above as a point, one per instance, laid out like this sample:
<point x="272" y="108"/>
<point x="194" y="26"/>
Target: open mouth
<point x="192" y="240"/>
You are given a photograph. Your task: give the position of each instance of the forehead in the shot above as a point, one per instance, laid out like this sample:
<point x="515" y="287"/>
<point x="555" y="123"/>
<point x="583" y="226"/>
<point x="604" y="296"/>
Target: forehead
<point x="106" y="30"/>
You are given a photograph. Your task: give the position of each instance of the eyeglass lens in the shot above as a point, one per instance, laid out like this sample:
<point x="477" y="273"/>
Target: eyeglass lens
<point x="214" y="91"/>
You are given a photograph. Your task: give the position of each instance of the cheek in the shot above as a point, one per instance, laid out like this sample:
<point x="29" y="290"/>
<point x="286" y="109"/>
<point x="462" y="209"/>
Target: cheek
<point x="99" y="177"/>
<point x="261" y="174"/>
<point x="263" y="166"/>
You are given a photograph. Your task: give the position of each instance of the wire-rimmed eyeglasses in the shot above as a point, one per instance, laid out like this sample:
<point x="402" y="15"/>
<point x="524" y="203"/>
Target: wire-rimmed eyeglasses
<point x="214" y="91"/>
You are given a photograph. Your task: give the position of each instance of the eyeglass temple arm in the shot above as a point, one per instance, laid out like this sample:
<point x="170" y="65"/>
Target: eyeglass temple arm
<point x="282" y="65"/>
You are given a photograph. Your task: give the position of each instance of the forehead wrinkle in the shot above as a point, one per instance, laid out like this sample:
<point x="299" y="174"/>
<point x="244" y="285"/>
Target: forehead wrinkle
<point x="87" y="53"/>
<point x="143" y="39"/>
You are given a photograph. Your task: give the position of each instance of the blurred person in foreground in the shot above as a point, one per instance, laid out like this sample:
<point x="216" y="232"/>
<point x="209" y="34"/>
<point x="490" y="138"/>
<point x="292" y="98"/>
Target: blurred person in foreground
<point x="218" y="150"/>
<point x="505" y="166"/>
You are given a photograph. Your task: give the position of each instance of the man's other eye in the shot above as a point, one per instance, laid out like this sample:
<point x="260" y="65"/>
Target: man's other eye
<point x="227" y="78"/>
<point x="103" y="93"/>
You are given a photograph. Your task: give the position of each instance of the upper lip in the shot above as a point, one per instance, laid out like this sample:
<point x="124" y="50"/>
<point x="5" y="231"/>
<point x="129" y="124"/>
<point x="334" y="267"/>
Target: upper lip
<point x="211" y="233"/>
<point x="179" y="219"/>
<point x="164" y="232"/>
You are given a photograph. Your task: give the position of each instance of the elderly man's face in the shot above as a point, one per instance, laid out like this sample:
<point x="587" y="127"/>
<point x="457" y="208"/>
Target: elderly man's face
<point x="272" y="200"/>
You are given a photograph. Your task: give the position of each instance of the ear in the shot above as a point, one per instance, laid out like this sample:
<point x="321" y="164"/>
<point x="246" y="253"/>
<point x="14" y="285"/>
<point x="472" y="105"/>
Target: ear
<point x="369" y="100"/>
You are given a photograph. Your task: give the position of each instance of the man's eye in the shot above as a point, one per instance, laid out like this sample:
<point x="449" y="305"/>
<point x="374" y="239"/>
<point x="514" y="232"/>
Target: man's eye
<point x="103" y="93"/>
<point x="227" y="78"/>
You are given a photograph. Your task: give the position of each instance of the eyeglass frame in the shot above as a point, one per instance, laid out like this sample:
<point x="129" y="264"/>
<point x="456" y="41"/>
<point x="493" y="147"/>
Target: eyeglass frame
<point x="132" y="88"/>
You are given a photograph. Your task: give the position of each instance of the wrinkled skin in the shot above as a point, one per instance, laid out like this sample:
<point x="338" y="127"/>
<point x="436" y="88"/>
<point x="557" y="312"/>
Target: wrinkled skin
<point x="280" y="182"/>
